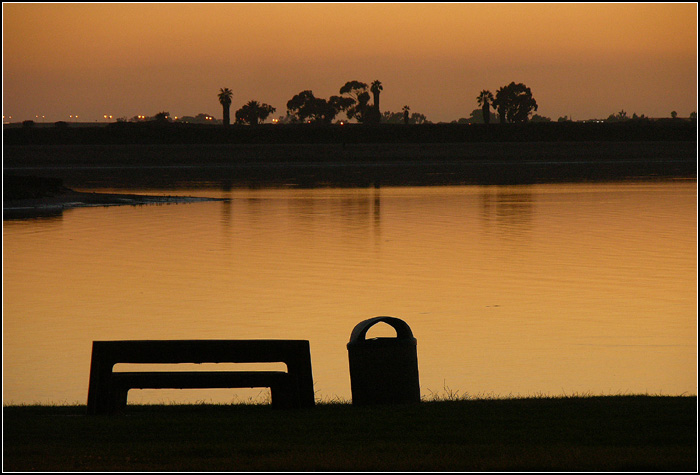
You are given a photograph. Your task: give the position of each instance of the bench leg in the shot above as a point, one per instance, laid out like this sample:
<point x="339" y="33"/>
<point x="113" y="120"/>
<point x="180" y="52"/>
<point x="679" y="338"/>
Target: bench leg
<point x="285" y="395"/>
<point x="119" y="396"/>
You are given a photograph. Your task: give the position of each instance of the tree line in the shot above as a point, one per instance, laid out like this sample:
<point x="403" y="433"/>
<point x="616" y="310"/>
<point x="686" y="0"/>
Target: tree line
<point x="353" y="99"/>
<point x="513" y="103"/>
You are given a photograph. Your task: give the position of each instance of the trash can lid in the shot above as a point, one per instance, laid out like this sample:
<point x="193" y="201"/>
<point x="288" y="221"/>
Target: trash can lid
<point x="403" y="331"/>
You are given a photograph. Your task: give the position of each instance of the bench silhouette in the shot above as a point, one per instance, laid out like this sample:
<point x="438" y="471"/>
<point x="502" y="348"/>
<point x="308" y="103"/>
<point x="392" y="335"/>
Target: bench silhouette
<point x="107" y="391"/>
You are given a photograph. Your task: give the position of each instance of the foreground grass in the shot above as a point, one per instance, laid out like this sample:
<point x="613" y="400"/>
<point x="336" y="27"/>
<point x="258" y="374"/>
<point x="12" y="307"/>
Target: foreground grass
<point x="609" y="433"/>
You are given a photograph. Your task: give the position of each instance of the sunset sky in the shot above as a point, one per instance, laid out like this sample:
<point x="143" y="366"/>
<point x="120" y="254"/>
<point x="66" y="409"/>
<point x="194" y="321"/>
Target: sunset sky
<point x="581" y="60"/>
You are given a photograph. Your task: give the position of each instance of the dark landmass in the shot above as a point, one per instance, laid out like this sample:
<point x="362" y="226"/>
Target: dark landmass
<point x="590" y="434"/>
<point x="177" y="133"/>
<point x="223" y="166"/>
<point x="170" y="156"/>
<point x="32" y="196"/>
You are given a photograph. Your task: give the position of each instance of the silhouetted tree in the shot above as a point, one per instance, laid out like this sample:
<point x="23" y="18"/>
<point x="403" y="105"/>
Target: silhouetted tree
<point x="674" y="114"/>
<point x="477" y="116"/>
<point x="225" y="95"/>
<point x="162" y="117"/>
<point x="499" y="103"/>
<point x="376" y="88"/>
<point x="301" y="106"/>
<point x="484" y="99"/>
<point x="417" y="118"/>
<point x="336" y="105"/>
<point x="389" y="117"/>
<point x="305" y="107"/>
<point x="619" y="117"/>
<point x="375" y="114"/>
<point x="360" y="109"/>
<point x="363" y="113"/>
<point x="539" y="118"/>
<point x="357" y="91"/>
<point x="514" y="103"/>
<point x="253" y="113"/>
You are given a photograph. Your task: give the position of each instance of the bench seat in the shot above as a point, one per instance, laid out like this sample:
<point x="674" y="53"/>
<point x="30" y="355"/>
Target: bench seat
<point x="282" y="390"/>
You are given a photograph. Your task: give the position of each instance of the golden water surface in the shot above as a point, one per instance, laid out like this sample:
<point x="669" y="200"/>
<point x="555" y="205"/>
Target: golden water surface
<point x="523" y="290"/>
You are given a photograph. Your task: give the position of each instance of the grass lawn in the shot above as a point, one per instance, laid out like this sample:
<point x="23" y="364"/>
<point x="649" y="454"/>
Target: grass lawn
<point x="607" y="433"/>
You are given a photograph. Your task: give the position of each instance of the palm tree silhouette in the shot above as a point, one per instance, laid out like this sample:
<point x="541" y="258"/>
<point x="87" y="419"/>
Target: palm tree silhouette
<point x="405" y="114"/>
<point x="376" y="88"/>
<point x="225" y="95"/>
<point x="485" y="99"/>
<point x="254" y="113"/>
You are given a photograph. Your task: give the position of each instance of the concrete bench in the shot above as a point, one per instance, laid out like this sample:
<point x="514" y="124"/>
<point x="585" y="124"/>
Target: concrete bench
<point x="107" y="392"/>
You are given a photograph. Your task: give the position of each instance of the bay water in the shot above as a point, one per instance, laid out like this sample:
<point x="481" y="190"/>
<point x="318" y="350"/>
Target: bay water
<point x="548" y="289"/>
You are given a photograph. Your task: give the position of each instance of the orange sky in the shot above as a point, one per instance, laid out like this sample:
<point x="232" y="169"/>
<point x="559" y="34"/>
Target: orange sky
<point x="581" y="60"/>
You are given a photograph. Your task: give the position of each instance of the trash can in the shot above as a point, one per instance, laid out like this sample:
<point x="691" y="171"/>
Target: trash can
<point x="383" y="370"/>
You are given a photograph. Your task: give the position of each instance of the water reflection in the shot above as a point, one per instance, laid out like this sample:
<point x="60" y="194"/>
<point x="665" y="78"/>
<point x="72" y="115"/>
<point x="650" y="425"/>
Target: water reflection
<point x="304" y="208"/>
<point x="227" y="213"/>
<point x="510" y="211"/>
<point x="377" y="204"/>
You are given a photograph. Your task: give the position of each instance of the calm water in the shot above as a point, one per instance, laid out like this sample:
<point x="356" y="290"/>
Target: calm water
<point x="544" y="289"/>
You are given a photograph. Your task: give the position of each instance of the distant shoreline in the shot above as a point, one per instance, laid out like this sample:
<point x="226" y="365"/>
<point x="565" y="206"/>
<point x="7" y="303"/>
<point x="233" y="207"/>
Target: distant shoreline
<point x="644" y="130"/>
<point x="31" y="196"/>
<point x="172" y="166"/>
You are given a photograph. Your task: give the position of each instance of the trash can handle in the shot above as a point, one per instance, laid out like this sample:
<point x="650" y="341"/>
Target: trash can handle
<point x="403" y="331"/>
